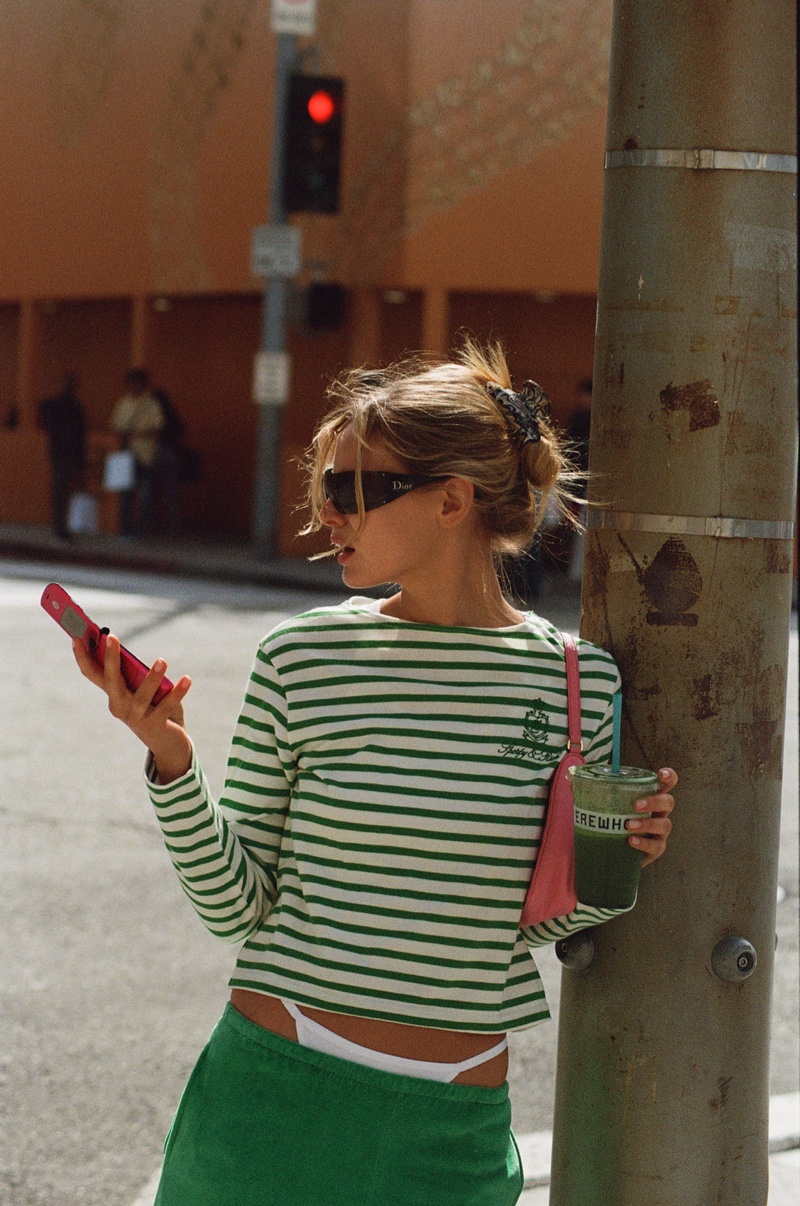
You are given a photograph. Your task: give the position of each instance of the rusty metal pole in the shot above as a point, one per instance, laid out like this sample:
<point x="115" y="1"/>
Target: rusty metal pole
<point x="662" y="1087"/>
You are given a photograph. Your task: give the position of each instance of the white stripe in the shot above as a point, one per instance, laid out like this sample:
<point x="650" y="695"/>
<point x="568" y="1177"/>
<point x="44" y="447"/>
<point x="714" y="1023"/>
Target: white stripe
<point x="473" y="840"/>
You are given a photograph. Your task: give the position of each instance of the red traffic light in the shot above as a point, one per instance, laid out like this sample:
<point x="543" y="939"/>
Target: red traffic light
<point x="321" y="107"/>
<point x="313" y="144"/>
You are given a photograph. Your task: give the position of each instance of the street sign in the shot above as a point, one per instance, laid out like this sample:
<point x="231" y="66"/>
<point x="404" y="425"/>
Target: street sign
<point x="275" y="251"/>
<point x="271" y="378"/>
<point x="294" y="17"/>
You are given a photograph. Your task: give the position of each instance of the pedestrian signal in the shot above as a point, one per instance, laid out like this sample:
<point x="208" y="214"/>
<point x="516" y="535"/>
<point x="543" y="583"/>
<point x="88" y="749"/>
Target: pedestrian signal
<point x="313" y="144"/>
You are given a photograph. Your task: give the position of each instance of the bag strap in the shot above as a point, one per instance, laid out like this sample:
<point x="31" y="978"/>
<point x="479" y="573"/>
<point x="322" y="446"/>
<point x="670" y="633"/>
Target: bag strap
<point x="573" y="693"/>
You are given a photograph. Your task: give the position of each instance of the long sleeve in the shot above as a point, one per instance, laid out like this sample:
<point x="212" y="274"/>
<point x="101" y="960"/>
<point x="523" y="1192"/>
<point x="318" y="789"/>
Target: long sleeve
<point x="226" y="853"/>
<point x="582" y="916"/>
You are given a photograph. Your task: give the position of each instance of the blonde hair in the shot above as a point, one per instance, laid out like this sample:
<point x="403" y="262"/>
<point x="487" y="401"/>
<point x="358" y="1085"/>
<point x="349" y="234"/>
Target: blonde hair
<point x="440" y="419"/>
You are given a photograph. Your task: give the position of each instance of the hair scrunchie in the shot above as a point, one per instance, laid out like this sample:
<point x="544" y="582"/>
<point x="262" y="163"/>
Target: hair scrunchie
<point x="527" y="408"/>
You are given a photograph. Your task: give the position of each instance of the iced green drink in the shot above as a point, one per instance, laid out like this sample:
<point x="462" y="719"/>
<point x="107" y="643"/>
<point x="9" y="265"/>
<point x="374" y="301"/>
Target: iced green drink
<point x="606" y="867"/>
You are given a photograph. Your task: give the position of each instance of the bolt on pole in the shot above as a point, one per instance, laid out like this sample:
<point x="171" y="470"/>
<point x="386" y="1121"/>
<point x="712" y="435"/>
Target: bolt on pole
<point x="273" y="328"/>
<point x="662" y="1089"/>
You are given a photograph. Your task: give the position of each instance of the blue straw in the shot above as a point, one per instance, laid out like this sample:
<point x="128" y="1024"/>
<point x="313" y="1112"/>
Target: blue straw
<point x="617" y="701"/>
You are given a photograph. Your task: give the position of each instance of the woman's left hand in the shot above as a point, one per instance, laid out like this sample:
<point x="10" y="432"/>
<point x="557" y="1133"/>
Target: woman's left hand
<point x="651" y="833"/>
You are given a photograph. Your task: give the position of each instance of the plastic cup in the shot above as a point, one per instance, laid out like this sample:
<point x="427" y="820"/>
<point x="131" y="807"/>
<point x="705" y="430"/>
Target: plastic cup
<point x="606" y="867"/>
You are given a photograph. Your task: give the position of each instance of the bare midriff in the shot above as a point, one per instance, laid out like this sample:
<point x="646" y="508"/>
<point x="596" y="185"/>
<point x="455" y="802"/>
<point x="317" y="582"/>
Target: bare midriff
<point x="394" y="1038"/>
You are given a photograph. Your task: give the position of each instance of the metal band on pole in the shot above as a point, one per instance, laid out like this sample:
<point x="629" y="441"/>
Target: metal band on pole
<point x="719" y="526"/>
<point x="702" y="158"/>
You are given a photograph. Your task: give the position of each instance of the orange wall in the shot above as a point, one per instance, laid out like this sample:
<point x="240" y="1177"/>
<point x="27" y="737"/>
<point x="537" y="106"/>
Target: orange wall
<point x="90" y="340"/>
<point x="9" y="334"/>
<point x="551" y="341"/>
<point x="24" y="480"/>
<point x="80" y="99"/>
<point x="200" y="349"/>
<point x="506" y="162"/>
<point x="201" y="353"/>
<point x="135" y="146"/>
<point x="546" y="235"/>
<point x="135" y="151"/>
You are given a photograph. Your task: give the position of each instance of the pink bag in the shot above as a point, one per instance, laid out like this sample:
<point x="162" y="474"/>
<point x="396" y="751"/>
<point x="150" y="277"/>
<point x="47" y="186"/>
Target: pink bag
<point x="551" y="892"/>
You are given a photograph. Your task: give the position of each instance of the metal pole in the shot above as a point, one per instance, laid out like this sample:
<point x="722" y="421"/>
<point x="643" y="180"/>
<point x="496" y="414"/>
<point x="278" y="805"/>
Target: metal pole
<point x="662" y="1087"/>
<point x="273" y="328"/>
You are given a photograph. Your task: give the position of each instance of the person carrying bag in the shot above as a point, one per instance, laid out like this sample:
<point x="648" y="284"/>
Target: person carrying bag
<point x="137" y="419"/>
<point x="371" y="851"/>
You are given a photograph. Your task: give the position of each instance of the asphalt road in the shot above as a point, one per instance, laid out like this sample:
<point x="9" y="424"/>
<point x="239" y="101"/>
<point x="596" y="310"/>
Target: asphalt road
<point x="109" y="984"/>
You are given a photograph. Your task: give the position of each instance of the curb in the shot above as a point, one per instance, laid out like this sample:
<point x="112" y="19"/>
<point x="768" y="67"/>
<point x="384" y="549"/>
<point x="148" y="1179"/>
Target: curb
<point x="225" y="563"/>
<point x="784" y="1135"/>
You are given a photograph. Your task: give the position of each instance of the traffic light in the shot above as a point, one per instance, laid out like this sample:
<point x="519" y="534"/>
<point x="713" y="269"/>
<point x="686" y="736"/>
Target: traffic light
<point x="313" y="144"/>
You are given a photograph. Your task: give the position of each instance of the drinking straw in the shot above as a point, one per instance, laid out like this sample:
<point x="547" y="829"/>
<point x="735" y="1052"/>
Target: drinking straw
<point x="617" y="718"/>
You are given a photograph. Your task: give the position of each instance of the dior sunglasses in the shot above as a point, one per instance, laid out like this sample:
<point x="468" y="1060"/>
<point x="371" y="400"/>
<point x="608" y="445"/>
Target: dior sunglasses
<point x="379" y="488"/>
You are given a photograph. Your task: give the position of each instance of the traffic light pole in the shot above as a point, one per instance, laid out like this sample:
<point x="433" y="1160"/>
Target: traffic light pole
<point x="273" y="327"/>
<point x="662" y="1088"/>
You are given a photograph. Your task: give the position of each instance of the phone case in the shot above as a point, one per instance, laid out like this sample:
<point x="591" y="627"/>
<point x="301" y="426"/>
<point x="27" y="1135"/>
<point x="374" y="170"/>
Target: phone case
<point x="65" y="611"/>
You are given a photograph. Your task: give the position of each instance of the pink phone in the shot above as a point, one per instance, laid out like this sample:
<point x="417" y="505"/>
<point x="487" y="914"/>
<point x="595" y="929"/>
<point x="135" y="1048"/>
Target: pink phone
<point x="76" y="623"/>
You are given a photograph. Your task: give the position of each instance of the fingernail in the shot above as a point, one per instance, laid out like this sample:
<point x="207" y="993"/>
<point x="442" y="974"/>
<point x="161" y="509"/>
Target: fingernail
<point x="663" y="774"/>
<point x="634" y="824"/>
<point x="642" y="805"/>
<point x="635" y="842"/>
<point x="159" y="665"/>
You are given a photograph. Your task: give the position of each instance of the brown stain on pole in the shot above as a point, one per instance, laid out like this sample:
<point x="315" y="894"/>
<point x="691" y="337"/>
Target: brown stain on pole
<point x="615" y="431"/>
<point x="704" y="694"/>
<point x="761" y="738"/>
<point x="777" y="557"/>
<point x="719" y="1101"/>
<point x="696" y="397"/>
<point x="726" y="303"/>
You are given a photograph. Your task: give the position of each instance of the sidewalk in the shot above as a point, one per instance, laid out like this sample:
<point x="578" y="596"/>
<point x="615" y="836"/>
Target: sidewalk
<point x="237" y="564"/>
<point x="185" y="557"/>
<point x="232" y="564"/>
<point x="784" y="1159"/>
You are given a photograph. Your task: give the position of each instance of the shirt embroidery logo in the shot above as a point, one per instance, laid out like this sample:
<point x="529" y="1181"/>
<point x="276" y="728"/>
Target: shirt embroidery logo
<point x="533" y="746"/>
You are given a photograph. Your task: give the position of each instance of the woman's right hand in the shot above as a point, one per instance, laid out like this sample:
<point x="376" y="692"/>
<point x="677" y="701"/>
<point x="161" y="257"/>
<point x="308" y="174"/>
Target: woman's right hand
<point x="161" y="728"/>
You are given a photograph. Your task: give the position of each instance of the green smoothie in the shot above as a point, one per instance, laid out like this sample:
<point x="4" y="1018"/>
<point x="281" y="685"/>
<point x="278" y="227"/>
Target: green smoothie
<point x="606" y="867"/>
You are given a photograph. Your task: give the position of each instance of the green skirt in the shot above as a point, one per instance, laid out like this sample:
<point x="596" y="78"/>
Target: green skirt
<point x="266" y="1122"/>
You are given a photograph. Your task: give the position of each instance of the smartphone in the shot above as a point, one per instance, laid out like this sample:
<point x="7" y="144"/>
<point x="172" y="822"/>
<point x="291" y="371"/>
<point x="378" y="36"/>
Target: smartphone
<point x="76" y="623"/>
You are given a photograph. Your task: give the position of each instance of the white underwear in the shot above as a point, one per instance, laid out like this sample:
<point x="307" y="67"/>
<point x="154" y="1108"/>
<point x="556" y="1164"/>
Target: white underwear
<point x="319" y="1038"/>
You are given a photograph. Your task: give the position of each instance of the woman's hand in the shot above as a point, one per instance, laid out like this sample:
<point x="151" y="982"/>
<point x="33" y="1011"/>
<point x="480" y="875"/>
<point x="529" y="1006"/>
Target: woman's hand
<point x="161" y="728"/>
<point x="651" y="833"/>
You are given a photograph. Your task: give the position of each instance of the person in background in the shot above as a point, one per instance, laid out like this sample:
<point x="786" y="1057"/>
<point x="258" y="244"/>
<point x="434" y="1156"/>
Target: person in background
<point x="137" y="419"/>
<point x="63" y="420"/>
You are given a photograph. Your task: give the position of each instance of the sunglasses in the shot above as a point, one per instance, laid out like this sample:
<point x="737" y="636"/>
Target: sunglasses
<point x="378" y="488"/>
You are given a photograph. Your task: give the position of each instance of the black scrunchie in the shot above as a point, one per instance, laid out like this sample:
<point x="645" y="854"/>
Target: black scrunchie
<point x="527" y="408"/>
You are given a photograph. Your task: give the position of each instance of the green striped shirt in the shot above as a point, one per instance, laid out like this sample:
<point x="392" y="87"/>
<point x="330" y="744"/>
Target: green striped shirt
<point x="382" y="811"/>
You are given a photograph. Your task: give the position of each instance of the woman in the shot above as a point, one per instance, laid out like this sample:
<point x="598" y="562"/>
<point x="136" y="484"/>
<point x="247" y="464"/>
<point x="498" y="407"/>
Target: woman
<point x="380" y="818"/>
